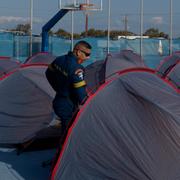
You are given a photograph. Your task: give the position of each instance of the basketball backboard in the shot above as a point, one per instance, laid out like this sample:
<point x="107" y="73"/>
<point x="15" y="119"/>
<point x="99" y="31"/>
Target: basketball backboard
<point x="81" y="4"/>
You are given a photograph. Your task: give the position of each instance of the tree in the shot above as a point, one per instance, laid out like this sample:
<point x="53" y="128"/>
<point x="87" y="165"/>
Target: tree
<point x="76" y="36"/>
<point x="93" y="33"/>
<point x="153" y="33"/>
<point x="22" y="28"/>
<point x="50" y="32"/>
<point x="114" y="34"/>
<point x="62" y="33"/>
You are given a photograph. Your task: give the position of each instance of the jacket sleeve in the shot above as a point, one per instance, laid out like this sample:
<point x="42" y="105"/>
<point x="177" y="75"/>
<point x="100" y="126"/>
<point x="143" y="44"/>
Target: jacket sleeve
<point x="51" y="77"/>
<point x="79" y="85"/>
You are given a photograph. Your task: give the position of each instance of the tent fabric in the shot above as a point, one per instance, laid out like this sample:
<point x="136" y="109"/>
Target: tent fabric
<point x="95" y="75"/>
<point x="25" y="106"/>
<point x="99" y="71"/>
<point x="130" y="129"/>
<point x="41" y="57"/>
<point x="174" y="75"/>
<point x="125" y="59"/>
<point x="7" y="65"/>
<point x="167" y="64"/>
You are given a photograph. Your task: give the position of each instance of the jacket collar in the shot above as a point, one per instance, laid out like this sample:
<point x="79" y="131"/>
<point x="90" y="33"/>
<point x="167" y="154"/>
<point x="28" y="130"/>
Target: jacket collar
<point x="73" y="57"/>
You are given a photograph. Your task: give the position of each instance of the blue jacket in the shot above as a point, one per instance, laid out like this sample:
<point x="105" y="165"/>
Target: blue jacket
<point x="66" y="76"/>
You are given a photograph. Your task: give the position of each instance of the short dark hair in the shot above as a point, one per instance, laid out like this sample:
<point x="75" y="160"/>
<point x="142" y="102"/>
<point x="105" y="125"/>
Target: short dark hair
<point x="83" y="43"/>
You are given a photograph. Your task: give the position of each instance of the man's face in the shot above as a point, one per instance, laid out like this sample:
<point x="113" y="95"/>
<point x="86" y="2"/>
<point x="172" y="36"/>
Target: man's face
<point x="83" y="54"/>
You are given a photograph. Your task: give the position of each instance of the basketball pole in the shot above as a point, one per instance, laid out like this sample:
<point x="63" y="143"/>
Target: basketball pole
<point x="58" y="16"/>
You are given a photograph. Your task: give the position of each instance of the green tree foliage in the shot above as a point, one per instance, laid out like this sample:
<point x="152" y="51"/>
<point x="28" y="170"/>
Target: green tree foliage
<point x="50" y="33"/>
<point x="114" y="34"/>
<point x="22" y="28"/>
<point x="151" y="32"/>
<point x="76" y="36"/>
<point x="101" y="33"/>
<point x="93" y="33"/>
<point x="63" y="34"/>
<point x="154" y="33"/>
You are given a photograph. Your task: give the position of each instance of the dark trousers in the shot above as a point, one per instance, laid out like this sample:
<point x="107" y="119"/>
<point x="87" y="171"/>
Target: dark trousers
<point x="64" y="108"/>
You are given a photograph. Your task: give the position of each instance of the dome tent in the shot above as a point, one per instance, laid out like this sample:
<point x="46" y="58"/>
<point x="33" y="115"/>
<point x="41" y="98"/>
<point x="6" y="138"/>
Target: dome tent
<point x="41" y="57"/>
<point x="100" y="71"/>
<point x="167" y="64"/>
<point x="129" y="129"/>
<point x="123" y="60"/>
<point x="25" y="106"/>
<point x="174" y="75"/>
<point x="8" y="65"/>
<point x="169" y="69"/>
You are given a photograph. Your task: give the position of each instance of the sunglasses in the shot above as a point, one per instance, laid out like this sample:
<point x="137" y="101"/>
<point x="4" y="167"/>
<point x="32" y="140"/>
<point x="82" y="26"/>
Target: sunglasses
<point x="86" y="54"/>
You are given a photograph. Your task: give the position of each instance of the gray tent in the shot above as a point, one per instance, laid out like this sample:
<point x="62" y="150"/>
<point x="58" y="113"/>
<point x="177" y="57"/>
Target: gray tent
<point x="130" y="129"/>
<point x="100" y="71"/>
<point x="95" y="75"/>
<point x="167" y="64"/>
<point x="169" y="69"/>
<point x="123" y="60"/>
<point x="8" y="65"/>
<point x="25" y="105"/>
<point x="41" y="57"/>
<point x="174" y="75"/>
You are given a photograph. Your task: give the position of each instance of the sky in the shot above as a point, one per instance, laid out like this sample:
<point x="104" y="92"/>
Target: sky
<point x="156" y="15"/>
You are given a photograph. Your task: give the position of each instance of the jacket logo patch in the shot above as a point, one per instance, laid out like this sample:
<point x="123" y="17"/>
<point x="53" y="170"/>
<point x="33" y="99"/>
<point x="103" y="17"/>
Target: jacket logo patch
<point x="79" y="73"/>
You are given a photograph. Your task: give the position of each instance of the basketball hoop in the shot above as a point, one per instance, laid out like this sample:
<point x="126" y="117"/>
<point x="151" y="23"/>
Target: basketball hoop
<point x="81" y="5"/>
<point x="85" y="7"/>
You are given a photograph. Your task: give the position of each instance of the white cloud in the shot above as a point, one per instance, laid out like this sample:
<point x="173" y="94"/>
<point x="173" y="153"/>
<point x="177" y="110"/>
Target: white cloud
<point x="10" y="19"/>
<point x="157" y="20"/>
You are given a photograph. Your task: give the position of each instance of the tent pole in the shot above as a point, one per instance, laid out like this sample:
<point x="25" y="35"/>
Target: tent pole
<point x="141" y="28"/>
<point x="171" y="24"/>
<point x="109" y="24"/>
<point x="31" y="26"/>
<point x="72" y="30"/>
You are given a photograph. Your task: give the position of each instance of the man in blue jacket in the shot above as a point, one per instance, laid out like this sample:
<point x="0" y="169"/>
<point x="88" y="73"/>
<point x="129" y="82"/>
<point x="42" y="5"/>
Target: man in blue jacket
<point x="66" y="76"/>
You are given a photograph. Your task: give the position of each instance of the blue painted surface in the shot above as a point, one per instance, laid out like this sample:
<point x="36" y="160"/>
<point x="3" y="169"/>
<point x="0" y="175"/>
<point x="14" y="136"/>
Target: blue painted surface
<point x="18" y="47"/>
<point x="46" y="28"/>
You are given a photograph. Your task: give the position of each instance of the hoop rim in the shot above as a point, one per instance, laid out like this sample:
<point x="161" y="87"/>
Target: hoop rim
<point x="82" y="7"/>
